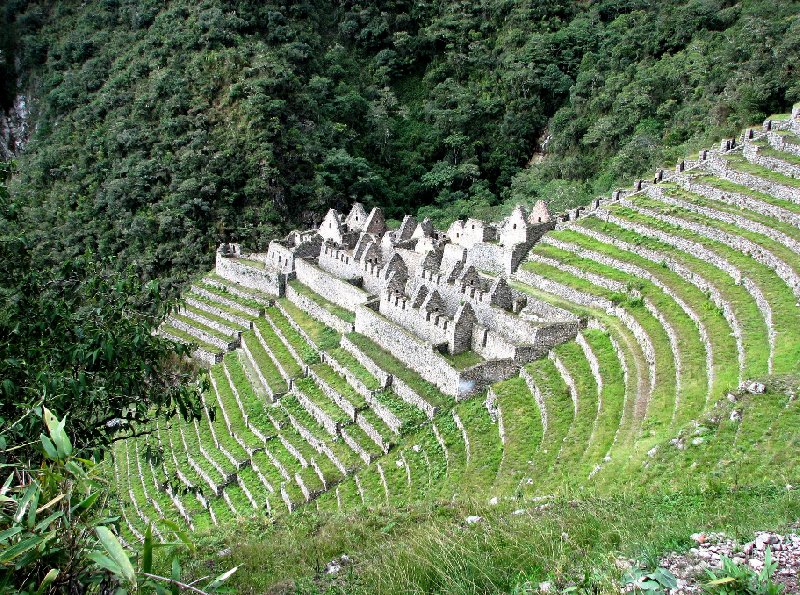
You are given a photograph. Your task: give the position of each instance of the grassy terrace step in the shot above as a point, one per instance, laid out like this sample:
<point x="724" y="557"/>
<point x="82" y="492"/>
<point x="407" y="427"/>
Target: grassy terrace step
<point x="719" y="331"/>
<point x="278" y="349"/>
<point x="182" y="336"/>
<point x="339" y="384"/>
<point x="227" y="400"/>
<point x="200" y="516"/>
<point x="322" y="336"/>
<point x="336" y="310"/>
<point x="560" y="415"/>
<point x="787" y="345"/>
<point x="739" y="163"/>
<point x="229" y="295"/>
<point x="306" y="352"/>
<point x="253" y="405"/>
<point x="213" y="277"/>
<point x="395" y="367"/>
<point x="219" y="305"/>
<point x="638" y="381"/>
<point x="314" y="394"/>
<point x="265" y="364"/>
<point x="612" y="396"/>
<point x="780" y="250"/>
<point x="572" y="358"/>
<point x="728" y="186"/>
<point x="360" y="438"/>
<point x="694" y="381"/>
<point x="340" y="450"/>
<point x="754" y="331"/>
<point x="789" y="137"/>
<point x="660" y="408"/>
<point x="209" y="316"/>
<point x="202" y="327"/>
<point x="765" y="149"/>
<point x="485" y="449"/>
<point x="463" y="360"/>
<point x="522" y="425"/>
<point x="257" y="490"/>
<point x="724" y="207"/>
<point x="454" y="453"/>
<point x="736" y="451"/>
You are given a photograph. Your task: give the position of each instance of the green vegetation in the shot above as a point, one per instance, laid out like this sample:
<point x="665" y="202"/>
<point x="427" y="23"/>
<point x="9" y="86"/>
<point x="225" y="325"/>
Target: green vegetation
<point x="463" y="360"/>
<point x="390" y="364"/>
<point x="159" y="130"/>
<point x="328" y="305"/>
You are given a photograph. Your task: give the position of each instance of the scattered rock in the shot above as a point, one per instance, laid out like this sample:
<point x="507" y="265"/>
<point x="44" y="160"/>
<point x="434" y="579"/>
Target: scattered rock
<point x="224" y="553"/>
<point x="472" y="519"/>
<point x="736" y="415"/>
<point x="545" y="587"/>
<point x="756" y="388"/>
<point x="518" y="511"/>
<point x="493" y="501"/>
<point x="690" y="567"/>
<point x="332" y="567"/>
<point x="416" y="448"/>
<point x="698" y="441"/>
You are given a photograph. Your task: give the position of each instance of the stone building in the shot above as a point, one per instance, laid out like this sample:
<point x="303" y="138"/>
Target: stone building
<point x="427" y="296"/>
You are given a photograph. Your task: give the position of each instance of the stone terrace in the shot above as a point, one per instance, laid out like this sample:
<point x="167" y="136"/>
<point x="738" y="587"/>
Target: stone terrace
<point x="597" y="345"/>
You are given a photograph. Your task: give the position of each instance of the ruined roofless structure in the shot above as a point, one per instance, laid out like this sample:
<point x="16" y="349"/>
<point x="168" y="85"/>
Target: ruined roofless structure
<point x="424" y="295"/>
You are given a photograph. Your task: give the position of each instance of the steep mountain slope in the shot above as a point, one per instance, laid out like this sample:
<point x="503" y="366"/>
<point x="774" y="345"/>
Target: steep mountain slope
<point x="158" y="130"/>
<point x="686" y="376"/>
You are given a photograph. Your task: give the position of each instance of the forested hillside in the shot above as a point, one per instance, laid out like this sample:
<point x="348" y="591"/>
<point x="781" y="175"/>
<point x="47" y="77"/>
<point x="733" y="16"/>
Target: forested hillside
<point x="159" y="129"/>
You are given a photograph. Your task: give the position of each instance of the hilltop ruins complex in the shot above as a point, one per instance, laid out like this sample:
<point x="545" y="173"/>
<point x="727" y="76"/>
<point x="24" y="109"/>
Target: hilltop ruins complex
<point x="425" y="295"/>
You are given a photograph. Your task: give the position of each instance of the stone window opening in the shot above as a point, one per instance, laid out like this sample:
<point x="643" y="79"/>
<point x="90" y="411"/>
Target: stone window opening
<point x="515" y="226"/>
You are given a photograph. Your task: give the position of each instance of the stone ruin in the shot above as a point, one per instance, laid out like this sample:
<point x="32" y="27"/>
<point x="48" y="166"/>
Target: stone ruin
<point x="422" y="294"/>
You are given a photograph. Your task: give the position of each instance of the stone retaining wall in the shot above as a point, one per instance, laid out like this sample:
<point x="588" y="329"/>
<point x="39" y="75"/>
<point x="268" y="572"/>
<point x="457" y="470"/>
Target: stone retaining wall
<point x="332" y="288"/>
<point x="415" y="354"/>
<point x="314" y="310"/>
<point x="267" y="280"/>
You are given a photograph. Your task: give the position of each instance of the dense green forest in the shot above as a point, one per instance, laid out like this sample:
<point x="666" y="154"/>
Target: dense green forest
<point x="160" y="129"/>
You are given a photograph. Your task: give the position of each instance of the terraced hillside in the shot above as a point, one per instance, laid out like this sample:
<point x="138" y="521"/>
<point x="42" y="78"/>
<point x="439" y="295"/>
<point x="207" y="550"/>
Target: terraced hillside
<point x="688" y="286"/>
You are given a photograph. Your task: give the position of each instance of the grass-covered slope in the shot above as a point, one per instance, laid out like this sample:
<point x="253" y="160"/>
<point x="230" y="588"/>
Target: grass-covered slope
<point x="648" y="419"/>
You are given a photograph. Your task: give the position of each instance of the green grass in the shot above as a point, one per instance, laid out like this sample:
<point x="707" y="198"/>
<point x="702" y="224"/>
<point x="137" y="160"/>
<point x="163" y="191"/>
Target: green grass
<point x="318" y="398"/>
<point x="612" y="397"/>
<point x="725" y="356"/>
<point x="429" y="549"/>
<point x="523" y="431"/>
<point x="339" y="384"/>
<point x="256" y="264"/>
<point x="214" y="318"/>
<point x="322" y="336"/>
<point x="754" y="331"/>
<point x="739" y="163"/>
<point x="278" y="349"/>
<point x="306" y="352"/>
<point x="787" y="255"/>
<point x="661" y="405"/>
<point x="387" y="362"/>
<point x="265" y="365"/>
<point x="352" y="364"/>
<point x="789" y="136"/>
<point x="728" y="186"/>
<point x="229" y="295"/>
<point x="184" y="337"/>
<point x="328" y="305"/>
<point x="463" y="360"/>
<point x="768" y="151"/>
<point x="787" y="349"/>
